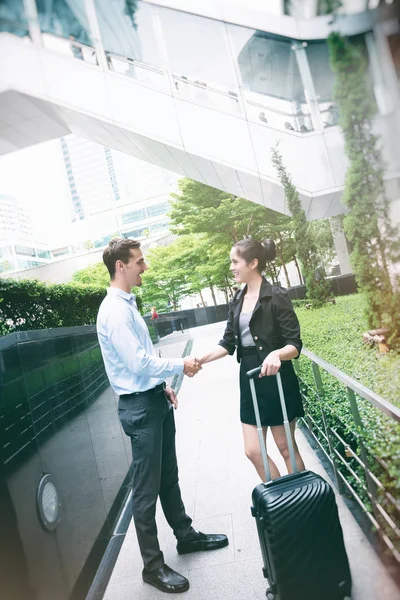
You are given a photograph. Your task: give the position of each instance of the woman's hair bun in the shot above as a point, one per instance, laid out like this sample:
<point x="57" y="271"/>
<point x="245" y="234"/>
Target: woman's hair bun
<point x="270" y="249"/>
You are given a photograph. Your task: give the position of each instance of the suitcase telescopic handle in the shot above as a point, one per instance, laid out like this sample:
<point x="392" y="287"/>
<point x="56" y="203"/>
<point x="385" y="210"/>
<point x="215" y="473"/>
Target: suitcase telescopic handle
<point x="251" y="375"/>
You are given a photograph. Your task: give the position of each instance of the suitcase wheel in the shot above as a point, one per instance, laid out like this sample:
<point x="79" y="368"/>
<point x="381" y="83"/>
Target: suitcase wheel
<point x="270" y="594"/>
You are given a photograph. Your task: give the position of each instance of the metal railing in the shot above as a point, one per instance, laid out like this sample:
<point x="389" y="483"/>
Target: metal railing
<point x="337" y="419"/>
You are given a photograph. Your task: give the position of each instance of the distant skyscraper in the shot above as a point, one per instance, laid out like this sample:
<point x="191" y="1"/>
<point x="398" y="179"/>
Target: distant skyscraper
<point x="113" y="193"/>
<point x="18" y="249"/>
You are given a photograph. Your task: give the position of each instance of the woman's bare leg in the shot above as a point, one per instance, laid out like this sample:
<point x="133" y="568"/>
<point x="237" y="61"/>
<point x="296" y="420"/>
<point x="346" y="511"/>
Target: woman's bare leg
<point x="278" y="431"/>
<point x="253" y="451"/>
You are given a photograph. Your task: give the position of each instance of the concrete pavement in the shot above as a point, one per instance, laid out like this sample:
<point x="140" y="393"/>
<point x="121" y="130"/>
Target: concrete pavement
<point x="217" y="481"/>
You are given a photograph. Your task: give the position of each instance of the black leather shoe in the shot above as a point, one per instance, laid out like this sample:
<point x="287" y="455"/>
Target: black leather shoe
<point x="202" y="542"/>
<point x="166" y="580"/>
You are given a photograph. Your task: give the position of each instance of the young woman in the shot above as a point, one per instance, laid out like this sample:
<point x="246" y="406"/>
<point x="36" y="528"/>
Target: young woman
<point x="263" y="328"/>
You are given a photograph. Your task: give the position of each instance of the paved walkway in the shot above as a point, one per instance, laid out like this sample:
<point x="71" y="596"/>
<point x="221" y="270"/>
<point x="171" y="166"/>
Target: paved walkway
<point x="217" y="480"/>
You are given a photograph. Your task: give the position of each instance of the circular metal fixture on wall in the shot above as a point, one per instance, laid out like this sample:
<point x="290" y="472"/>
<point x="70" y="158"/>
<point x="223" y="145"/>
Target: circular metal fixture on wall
<point x="48" y="503"/>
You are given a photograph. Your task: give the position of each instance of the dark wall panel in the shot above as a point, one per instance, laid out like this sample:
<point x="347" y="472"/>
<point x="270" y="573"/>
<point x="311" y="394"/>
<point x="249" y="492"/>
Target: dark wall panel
<point x="57" y="416"/>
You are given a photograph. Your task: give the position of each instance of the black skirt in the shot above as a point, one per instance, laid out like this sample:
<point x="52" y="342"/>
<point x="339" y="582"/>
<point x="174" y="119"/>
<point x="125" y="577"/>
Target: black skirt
<point x="267" y="393"/>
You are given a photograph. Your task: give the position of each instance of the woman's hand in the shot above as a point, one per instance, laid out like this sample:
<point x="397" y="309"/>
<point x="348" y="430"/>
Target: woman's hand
<point x="271" y="364"/>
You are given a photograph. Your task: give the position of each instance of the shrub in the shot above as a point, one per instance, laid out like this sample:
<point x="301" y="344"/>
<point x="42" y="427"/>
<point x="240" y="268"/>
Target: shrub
<point x="30" y="304"/>
<point x="334" y="333"/>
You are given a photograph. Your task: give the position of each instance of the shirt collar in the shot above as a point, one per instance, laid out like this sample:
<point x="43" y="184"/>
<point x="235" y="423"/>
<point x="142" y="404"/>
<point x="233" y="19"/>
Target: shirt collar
<point x="114" y="291"/>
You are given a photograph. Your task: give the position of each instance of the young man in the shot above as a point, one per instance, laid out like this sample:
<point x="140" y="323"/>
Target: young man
<point x="137" y="375"/>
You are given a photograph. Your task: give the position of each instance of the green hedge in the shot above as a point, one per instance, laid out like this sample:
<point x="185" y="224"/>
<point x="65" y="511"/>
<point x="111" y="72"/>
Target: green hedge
<point x="334" y="333"/>
<point x="29" y="304"/>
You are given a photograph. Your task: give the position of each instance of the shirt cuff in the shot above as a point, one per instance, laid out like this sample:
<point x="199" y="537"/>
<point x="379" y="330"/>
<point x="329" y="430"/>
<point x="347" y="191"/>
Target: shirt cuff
<point x="177" y="365"/>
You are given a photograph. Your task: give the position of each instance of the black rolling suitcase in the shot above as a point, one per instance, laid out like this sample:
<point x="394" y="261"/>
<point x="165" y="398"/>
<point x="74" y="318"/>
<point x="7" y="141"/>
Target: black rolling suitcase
<point x="299" y="529"/>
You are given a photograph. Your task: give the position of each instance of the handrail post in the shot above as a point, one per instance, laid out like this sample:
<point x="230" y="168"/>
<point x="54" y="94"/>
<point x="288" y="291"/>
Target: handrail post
<point x="364" y="456"/>
<point x="320" y="393"/>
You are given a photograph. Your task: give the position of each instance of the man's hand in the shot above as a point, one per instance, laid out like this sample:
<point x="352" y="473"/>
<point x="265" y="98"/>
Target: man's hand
<point x="173" y="398"/>
<point x="271" y="364"/>
<point x="191" y="366"/>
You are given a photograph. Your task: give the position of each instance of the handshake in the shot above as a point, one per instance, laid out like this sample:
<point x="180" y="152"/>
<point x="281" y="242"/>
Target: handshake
<point x="191" y="366"/>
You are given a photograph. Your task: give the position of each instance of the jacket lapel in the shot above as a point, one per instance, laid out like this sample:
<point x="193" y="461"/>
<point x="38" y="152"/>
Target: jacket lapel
<point x="265" y="292"/>
<point x="237" y="307"/>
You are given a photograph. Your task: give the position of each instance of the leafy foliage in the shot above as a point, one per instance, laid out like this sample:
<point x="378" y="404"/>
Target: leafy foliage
<point x="224" y="219"/>
<point x="186" y="266"/>
<point x="199" y="208"/>
<point x="318" y="288"/>
<point x="31" y="304"/>
<point x="376" y="242"/>
<point x="334" y="333"/>
<point x="96" y="274"/>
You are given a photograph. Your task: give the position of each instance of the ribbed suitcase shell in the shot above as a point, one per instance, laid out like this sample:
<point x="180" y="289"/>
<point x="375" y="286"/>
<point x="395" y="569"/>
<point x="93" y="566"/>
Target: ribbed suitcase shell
<point x="301" y="538"/>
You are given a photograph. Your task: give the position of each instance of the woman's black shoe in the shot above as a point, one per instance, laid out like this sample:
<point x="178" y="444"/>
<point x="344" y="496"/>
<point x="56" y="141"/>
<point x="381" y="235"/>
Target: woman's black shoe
<point x="166" y="579"/>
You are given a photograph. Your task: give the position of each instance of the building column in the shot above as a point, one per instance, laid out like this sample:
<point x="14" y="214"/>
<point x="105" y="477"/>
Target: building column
<point x="33" y="22"/>
<point x="95" y="34"/>
<point x="381" y="47"/>
<point x="309" y="89"/>
<point x="340" y="242"/>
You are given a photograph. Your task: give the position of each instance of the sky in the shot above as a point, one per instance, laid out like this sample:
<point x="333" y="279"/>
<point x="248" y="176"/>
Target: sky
<point x="36" y="176"/>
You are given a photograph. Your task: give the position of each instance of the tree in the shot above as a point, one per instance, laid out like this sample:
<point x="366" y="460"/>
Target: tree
<point x="96" y="274"/>
<point x="225" y="219"/>
<point x="185" y="267"/>
<point x="199" y="208"/>
<point x="165" y="283"/>
<point x="318" y="288"/>
<point x="88" y="245"/>
<point x="375" y="241"/>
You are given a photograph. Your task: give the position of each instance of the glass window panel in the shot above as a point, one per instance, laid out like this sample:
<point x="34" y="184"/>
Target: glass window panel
<point x="135" y="215"/>
<point x="200" y="60"/>
<point x="271" y="80"/>
<point x="136" y="233"/>
<point x="13" y="18"/>
<point x="158" y="209"/>
<point x="161" y="225"/>
<point x="127" y="30"/>
<point x="197" y="49"/>
<point x="66" y="19"/>
<point x="323" y="78"/>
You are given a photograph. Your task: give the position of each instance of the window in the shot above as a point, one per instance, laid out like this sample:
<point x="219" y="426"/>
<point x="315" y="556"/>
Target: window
<point x="127" y="30"/>
<point x="25" y="250"/>
<point x="135" y="215"/>
<point x="158" y="209"/>
<point x="13" y="18"/>
<point x="160" y="226"/>
<point x="64" y="18"/>
<point x="136" y="233"/>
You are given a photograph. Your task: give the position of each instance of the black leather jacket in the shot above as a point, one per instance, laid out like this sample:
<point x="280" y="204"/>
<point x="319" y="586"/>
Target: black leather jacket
<point x="273" y="323"/>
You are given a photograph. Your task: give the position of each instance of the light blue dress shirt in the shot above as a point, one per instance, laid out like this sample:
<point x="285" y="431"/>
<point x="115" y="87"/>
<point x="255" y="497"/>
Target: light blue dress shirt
<point x="130" y="358"/>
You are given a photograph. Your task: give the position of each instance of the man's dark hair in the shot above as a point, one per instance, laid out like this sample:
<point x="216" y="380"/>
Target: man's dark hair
<point x="118" y="249"/>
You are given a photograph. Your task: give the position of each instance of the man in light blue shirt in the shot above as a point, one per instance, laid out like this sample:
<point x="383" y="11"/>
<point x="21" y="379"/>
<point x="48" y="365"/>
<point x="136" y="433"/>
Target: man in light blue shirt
<point x="138" y="375"/>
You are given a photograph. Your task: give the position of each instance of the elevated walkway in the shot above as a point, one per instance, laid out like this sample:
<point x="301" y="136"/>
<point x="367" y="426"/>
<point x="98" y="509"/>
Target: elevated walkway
<point x="217" y="480"/>
<point x="198" y="96"/>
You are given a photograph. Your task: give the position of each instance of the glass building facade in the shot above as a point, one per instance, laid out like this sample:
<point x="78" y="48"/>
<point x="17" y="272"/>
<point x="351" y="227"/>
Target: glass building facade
<point x="251" y="74"/>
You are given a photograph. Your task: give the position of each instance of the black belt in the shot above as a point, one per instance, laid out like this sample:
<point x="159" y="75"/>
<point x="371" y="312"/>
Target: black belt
<point x="152" y="392"/>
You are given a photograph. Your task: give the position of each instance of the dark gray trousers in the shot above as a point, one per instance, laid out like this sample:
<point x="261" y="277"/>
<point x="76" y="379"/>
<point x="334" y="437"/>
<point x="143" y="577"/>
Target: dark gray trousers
<point x="148" y="420"/>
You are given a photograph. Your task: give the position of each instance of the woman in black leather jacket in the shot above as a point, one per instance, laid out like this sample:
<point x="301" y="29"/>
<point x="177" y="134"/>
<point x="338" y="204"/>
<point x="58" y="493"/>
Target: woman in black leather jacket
<point x="263" y="329"/>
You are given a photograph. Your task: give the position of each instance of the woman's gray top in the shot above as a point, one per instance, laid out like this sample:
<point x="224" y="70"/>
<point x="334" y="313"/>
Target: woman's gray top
<point x="245" y="335"/>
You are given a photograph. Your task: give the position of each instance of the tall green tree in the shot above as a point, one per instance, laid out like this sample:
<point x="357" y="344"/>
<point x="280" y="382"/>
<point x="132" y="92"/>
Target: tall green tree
<point x="225" y="219"/>
<point x="375" y="241"/>
<point x="187" y="266"/>
<point x="318" y="288"/>
<point x="96" y="274"/>
<point x="199" y="208"/>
